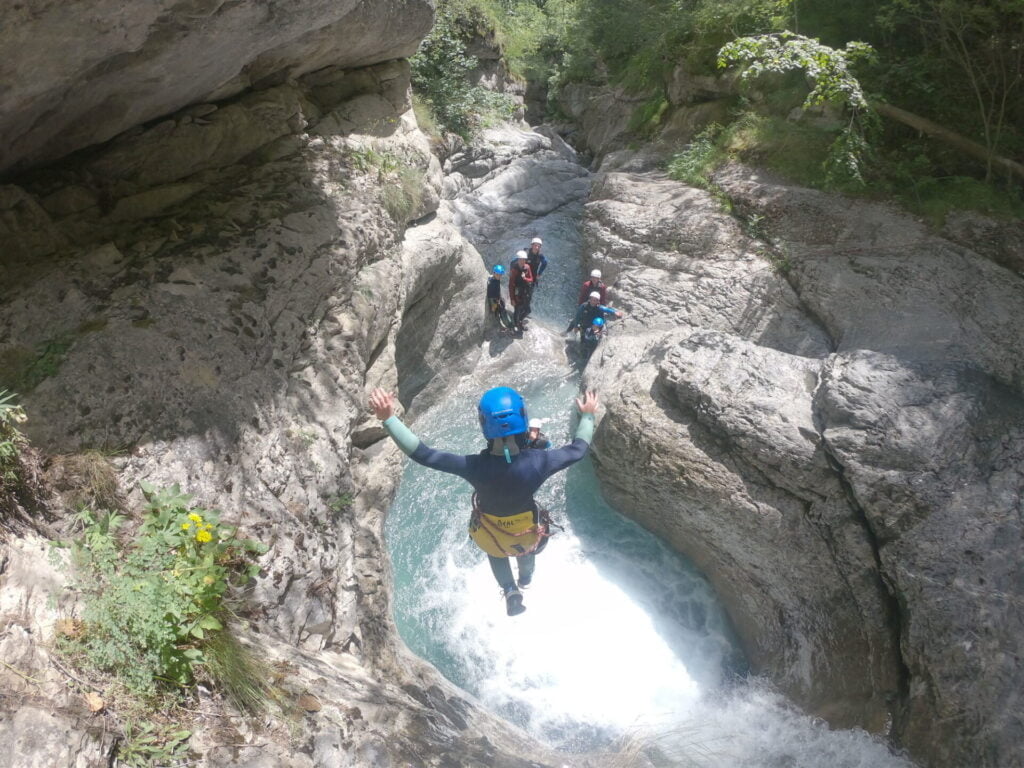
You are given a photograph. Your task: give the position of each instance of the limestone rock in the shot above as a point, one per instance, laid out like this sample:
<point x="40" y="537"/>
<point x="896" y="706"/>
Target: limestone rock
<point x="837" y="450"/>
<point x="120" y="66"/>
<point x="210" y="300"/>
<point x="932" y="452"/>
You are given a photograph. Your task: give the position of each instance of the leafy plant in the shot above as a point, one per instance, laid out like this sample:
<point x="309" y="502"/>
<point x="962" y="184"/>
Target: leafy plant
<point x="149" y="745"/>
<point x="341" y="503"/>
<point x="441" y="71"/>
<point x="11" y="439"/>
<point x="832" y="82"/>
<point x="695" y="164"/>
<point x="153" y="600"/>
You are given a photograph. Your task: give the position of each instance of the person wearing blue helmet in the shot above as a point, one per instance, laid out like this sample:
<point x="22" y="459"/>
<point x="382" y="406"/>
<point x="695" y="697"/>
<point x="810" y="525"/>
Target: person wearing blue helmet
<point x="506" y="521"/>
<point x="496" y="304"/>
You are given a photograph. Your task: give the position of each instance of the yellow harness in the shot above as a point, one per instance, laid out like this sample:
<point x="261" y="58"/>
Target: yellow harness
<point x="511" y="536"/>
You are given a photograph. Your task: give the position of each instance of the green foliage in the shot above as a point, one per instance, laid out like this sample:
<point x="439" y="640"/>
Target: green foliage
<point x="648" y="116"/>
<point x="152" y="601"/>
<point x="11" y="439"/>
<point x="933" y="198"/>
<point x="441" y="70"/>
<point x="24" y="368"/>
<point x="341" y="503"/>
<point x="425" y="118"/>
<point x="238" y="673"/>
<point x="960" y="62"/>
<point x="828" y="70"/>
<point x="401" y="183"/>
<point x="150" y="745"/>
<point x="695" y="164"/>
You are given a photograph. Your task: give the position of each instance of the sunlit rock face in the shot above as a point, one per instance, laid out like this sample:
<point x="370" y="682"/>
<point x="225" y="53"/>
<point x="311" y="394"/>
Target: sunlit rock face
<point x="835" y="440"/>
<point x="208" y="298"/>
<point x="75" y="74"/>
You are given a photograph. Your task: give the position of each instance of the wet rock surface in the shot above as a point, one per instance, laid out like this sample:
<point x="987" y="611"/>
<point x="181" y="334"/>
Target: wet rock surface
<point x="825" y="414"/>
<point x="209" y="300"/>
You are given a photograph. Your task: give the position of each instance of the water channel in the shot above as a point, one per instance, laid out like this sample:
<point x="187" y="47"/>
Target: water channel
<point x="622" y="638"/>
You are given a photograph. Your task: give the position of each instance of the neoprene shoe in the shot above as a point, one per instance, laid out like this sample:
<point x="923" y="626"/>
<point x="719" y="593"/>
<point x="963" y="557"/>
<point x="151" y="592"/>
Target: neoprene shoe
<point x="514" y="602"/>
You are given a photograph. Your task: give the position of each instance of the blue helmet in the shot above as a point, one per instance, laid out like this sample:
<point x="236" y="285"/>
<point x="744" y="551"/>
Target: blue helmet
<point x="502" y="413"/>
<point x="498" y="269"/>
<point x="598" y="321"/>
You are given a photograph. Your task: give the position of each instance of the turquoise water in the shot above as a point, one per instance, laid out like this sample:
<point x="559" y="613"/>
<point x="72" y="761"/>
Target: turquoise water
<point x="622" y="638"/>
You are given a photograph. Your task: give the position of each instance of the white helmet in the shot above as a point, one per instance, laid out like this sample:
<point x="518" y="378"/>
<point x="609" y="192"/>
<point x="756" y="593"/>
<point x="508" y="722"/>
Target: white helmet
<point x="595" y="295"/>
<point x="536" y="241"/>
<point x="595" y="273"/>
<point x="520" y="254"/>
<point x="534" y="423"/>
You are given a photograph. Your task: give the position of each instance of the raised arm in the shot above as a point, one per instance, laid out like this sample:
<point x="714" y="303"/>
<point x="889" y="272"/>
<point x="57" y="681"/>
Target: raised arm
<point x="560" y="458"/>
<point x="383" y="405"/>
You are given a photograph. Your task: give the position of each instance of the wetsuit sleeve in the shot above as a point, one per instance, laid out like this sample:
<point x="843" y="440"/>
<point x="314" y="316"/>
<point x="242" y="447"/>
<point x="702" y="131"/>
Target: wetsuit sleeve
<point x="451" y="463"/>
<point x="401" y="434"/>
<point x="559" y="458"/>
<point x="585" y="429"/>
<point x="577" y="317"/>
<point x="542" y="266"/>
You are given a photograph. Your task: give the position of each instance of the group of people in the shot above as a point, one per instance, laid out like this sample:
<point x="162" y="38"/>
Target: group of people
<point x="592" y="314"/>
<point x="523" y="279"/>
<point x="506" y="521"/>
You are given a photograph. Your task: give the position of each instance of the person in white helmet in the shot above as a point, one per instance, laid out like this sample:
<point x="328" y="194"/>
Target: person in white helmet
<point x="535" y="438"/>
<point x="538" y="261"/>
<point x="520" y="290"/>
<point x="589" y="310"/>
<point x="593" y="284"/>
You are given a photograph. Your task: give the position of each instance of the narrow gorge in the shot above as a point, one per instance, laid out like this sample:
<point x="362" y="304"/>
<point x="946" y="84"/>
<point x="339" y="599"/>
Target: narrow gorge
<point x="223" y="227"/>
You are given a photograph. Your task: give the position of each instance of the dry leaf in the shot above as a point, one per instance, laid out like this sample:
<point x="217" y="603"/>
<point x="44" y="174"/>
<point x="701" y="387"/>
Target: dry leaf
<point x="310" y="703"/>
<point x="69" y="627"/>
<point x="94" y="701"/>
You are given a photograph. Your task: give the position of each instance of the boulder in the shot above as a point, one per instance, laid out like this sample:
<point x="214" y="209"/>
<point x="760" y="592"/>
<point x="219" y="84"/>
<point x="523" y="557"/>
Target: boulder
<point x="825" y="414"/>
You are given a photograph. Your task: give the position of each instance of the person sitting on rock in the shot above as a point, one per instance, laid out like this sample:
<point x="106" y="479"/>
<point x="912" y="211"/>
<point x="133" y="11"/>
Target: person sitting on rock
<point x="538" y="261"/>
<point x="588" y="310"/>
<point x="535" y="438"/>
<point x="520" y="290"/>
<point x="593" y="284"/>
<point x="506" y="520"/>
<point x="496" y="304"/>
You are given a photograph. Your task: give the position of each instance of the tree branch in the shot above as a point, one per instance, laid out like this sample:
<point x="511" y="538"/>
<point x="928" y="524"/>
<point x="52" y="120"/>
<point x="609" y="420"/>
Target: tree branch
<point x="933" y="129"/>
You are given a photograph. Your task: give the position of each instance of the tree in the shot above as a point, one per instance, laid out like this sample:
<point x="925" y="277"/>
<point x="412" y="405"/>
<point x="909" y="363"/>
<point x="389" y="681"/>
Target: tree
<point x="983" y="40"/>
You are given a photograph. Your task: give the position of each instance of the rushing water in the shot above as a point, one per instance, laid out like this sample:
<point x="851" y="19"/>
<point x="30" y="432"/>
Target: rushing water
<point x="622" y="639"/>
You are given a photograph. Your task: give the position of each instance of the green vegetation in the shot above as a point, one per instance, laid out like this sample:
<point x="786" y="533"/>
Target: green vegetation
<point x="156" y="602"/>
<point x="441" y="69"/>
<point x="341" y="504"/>
<point x="146" y="744"/>
<point x="401" y="183"/>
<point x="11" y="440"/>
<point x="957" y="63"/>
<point x="24" y="368"/>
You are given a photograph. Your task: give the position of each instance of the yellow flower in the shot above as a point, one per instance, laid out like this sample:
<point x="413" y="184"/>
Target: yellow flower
<point x="203" y="536"/>
<point x="186" y="526"/>
<point x="195" y="518"/>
